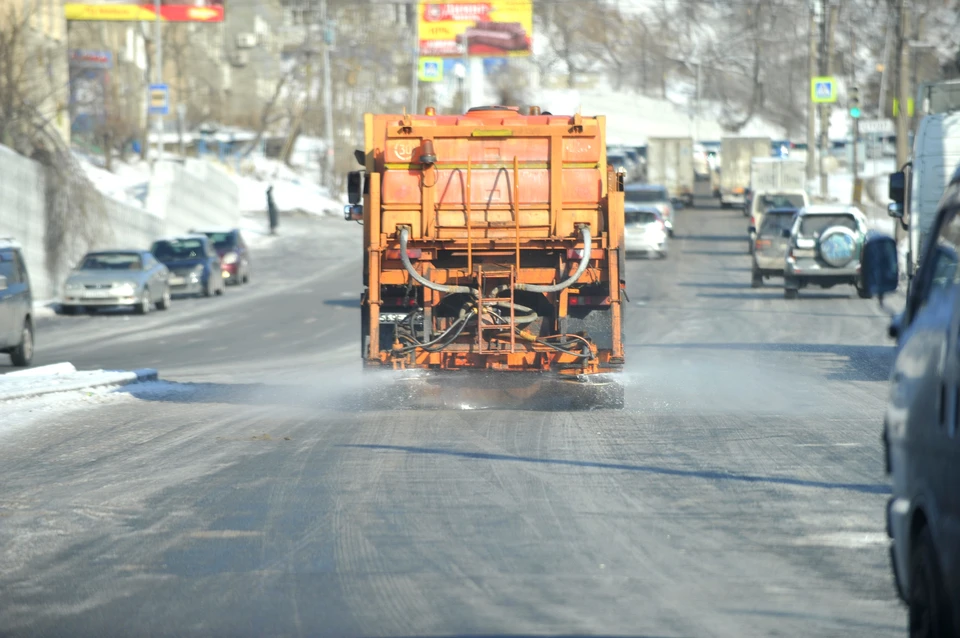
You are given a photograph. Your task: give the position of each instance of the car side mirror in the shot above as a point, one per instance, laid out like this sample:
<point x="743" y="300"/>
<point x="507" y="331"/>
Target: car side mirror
<point x="3" y="282"/>
<point x="879" y="265"/>
<point x="354" y="187"/>
<point x="896" y="187"/>
<point x="353" y="213"/>
<point x="895" y="210"/>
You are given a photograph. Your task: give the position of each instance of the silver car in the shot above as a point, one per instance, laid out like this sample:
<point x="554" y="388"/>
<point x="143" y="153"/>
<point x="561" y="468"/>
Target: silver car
<point x="117" y="278"/>
<point x="644" y="231"/>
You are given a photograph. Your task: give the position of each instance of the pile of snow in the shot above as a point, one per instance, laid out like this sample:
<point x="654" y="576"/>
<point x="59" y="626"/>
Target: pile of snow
<point x="64" y="377"/>
<point x="291" y="191"/>
<point x="127" y="182"/>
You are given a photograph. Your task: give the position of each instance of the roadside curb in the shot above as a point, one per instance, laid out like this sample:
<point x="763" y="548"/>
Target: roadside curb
<point x="122" y="378"/>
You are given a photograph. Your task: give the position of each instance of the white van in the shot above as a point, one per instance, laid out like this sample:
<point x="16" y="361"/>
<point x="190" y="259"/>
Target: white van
<point x="936" y="154"/>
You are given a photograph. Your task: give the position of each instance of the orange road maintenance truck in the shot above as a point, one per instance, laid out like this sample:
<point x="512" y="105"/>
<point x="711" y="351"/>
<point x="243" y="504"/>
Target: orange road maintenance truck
<point x="493" y="243"/>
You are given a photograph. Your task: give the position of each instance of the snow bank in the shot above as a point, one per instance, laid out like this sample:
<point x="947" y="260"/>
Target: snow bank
<point x="64" y="377"/>
<point x="291" y="190"/>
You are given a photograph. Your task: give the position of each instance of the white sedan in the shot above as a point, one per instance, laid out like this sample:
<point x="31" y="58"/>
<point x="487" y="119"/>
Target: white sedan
<point x="644" y="231"/>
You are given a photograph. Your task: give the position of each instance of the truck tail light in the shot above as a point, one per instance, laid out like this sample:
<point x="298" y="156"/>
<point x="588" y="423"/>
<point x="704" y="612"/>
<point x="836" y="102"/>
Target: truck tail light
<point x="753" y="220"/>
<point x="762" y="243"/>
<point x="579" y="301"/>
<point x="399" y="301"/>
<point x="412" y="253"/>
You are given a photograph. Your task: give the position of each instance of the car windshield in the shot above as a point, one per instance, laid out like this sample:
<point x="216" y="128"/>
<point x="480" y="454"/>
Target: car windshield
<point x="178" y="249"/>
<point x="639" y="217"/>
<point x="814" y="225"/>
<point x="223" y="241"/>
<point x="111" y="261"/>
<point x="647" y="195"/>
<point x="781" y="200"/>
<point x="776" y="223"/>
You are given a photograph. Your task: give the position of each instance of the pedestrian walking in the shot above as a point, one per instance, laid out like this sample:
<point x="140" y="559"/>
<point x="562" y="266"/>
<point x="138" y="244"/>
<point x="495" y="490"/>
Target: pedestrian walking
<point x="272" y="211"/>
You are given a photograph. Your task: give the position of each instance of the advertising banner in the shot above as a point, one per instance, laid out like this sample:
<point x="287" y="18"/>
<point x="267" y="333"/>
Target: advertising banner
<point x="89" y="82"/>
<point x="205" y="11"/>
<point x="490" y="29"/>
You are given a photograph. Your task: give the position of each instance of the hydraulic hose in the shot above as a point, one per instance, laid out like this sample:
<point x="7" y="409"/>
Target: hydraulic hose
<point x="405" y="258"/>
<point x="584" y="262"/>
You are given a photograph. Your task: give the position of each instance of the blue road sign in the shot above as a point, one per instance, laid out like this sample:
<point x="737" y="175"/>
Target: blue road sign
<point x="823" y="89"/>
<point x="159" y="103"/>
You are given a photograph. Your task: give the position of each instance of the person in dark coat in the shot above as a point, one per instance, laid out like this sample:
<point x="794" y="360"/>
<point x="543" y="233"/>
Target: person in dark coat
<point x="272" y="211"/>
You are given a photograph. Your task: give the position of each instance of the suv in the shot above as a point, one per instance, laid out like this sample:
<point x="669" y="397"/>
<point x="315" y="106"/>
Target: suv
<point x="16" y="305"/>
<point x="194" y="265"/>
<point x="824" y="248"/>
<point x="760" y="202"/>
<point x="921" y="434"/>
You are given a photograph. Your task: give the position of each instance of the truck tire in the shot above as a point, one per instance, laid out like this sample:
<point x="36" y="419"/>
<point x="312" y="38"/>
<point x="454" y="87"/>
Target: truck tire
<point x="756" y="279"/>
<point x="929" y="614"/>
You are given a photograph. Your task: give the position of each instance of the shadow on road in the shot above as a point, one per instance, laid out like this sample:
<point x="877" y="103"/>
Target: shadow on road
<point x="863" y="363"/>
<point x="343" y="303"/>
<point x="713" y="475"/>
<point x="736" y="285"/>
<point x="718" y="238"/>
<point x="717" y="253"/>
<point x="773" y="293"/>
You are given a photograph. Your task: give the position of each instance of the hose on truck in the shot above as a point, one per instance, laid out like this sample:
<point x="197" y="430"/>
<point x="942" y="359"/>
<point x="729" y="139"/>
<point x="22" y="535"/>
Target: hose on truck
<point x="423" y="281"/>
<point x="584" y="262"/>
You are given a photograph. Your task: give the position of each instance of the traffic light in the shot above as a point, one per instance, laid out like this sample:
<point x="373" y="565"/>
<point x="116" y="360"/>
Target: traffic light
<point x="854" y="102"/>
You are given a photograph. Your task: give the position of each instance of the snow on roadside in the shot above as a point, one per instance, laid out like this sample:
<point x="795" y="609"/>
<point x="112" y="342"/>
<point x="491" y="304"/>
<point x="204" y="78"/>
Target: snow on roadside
<point x="38" y="410"/>
<point x="62" y="377"/>
<point x="291" y="191"/>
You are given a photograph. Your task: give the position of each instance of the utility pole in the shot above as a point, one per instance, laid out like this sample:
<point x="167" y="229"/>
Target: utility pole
<point x="158" y="38"/>
<point x="828" y="29"/>
<point x="903" y="83"/>
<point x="811" y="107"/>
<point x="308" y="52"/>
<point x="327" y="97"/>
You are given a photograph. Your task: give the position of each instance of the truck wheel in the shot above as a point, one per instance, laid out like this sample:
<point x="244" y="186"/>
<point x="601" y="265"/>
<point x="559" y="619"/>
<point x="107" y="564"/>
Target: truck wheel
<point x="929" y="607"/>
<point x="756" y="279"/>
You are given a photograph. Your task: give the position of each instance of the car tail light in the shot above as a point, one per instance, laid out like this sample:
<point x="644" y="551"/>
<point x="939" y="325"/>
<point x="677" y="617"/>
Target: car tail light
<point x="412" y="253"/>
<point x="579" y="301"/>
<point x="663" y="226"/>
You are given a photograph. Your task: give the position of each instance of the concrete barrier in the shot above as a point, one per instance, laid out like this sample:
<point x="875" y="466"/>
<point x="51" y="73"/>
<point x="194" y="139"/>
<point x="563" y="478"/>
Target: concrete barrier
<point x="179" y="197"/>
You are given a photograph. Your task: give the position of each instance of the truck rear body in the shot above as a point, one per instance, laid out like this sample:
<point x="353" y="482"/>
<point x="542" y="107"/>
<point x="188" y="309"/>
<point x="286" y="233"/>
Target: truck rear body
<point x="670" y="164"/>
<point x="736" y="154"/>
<point x="496" y="212"/>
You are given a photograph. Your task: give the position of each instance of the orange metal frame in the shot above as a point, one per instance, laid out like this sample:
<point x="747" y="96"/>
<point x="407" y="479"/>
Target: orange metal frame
<point x="575" y="144"/>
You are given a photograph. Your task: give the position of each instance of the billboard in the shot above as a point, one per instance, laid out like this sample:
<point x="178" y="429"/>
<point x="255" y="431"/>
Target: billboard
<point x="490" y="29"/>
<point x="180" y="11"/>
<point x="89" y="86"/>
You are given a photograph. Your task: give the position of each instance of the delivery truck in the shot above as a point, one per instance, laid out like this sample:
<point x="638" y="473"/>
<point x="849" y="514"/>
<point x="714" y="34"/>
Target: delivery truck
<point x="736" y="155"/>
<point x="670" y="164"/>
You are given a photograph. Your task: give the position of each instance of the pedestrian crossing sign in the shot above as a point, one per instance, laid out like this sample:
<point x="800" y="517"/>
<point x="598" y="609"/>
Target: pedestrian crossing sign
<point x="823" y="90"/>
<point x="431" y="69"/>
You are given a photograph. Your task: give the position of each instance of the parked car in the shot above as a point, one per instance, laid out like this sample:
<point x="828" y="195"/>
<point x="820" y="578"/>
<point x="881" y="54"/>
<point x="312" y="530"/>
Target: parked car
<point x="772" y="242"/>
<point x="921" y="433"/>
<point x="824" y="248"/>
<point x="653" y="195"/>
<point x="644" y="231"/>
<point x="233" y="252"/>
<point x="16" y="305"/>
<point x="195" y="267"/>
<point x="117" y="278"/>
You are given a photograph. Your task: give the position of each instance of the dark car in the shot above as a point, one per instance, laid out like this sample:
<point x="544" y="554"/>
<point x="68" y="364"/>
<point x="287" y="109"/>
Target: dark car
<point x="233" y="251"/>
<point x="16" y="305"/>
<point x="921" y="433"/>
<point x="194" y="265"/>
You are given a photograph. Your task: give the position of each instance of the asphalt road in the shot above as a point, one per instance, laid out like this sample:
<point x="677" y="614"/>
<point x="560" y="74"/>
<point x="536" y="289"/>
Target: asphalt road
<point x="741" y="493"/>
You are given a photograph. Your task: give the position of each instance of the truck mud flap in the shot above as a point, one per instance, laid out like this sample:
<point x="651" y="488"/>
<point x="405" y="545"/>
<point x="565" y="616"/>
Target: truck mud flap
<point x="473" y="390"/>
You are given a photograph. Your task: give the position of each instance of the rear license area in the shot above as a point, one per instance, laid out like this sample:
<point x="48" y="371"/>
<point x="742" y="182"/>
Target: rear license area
<point x="177" y="281"/>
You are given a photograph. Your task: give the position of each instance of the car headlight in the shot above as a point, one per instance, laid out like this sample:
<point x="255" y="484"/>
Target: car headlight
<point x="124" y="290"/>
<point x="230" y="258"/>
<point x="72" y="285"/>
